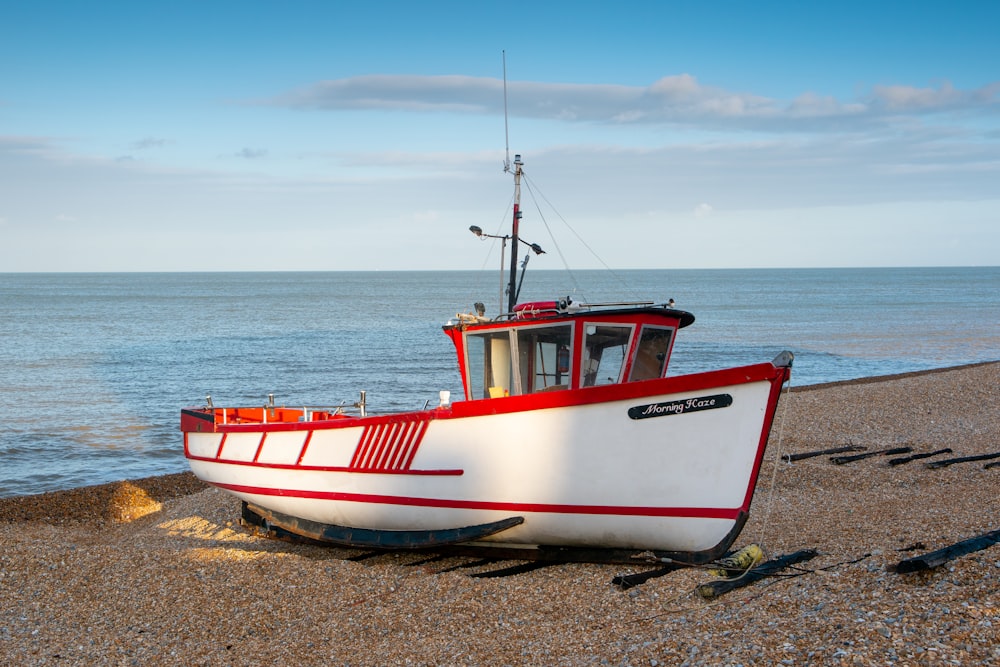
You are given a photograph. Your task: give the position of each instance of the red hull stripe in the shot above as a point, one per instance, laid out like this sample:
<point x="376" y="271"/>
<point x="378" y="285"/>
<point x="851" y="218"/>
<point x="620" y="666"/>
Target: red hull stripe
<point x="389" y="446"/>
<point x="305" y="446"/>
<point x="298" y="466"/>
<point x="411" y="447"/>
<point x="364" y="443"/>
<point x="222" y="443"/>
<point x="260" y="447"/>
<point x="607" y="510"/>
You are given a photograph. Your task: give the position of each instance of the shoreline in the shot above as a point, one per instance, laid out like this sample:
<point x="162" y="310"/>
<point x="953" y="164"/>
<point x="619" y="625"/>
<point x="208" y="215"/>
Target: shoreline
<point x="171" y="485"/>
<point x="888" y="378"/>
<point x="159" y="570"/>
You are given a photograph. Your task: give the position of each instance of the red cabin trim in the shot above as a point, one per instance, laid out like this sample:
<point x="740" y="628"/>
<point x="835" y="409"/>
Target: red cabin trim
<point x="538" y="313"/>
<point x="627" y="391"/>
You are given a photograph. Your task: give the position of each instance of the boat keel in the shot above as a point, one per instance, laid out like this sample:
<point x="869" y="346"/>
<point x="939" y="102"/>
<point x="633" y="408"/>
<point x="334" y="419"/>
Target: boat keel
<point x="462" y="541"/>
<point x="374" y="539"/>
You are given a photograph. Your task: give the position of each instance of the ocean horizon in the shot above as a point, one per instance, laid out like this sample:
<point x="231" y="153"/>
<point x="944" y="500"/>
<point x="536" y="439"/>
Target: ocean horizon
<point x="96" y="366"/>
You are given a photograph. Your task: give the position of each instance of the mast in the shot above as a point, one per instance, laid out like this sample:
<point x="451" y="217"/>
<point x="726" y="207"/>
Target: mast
<point x="512" y="284"/>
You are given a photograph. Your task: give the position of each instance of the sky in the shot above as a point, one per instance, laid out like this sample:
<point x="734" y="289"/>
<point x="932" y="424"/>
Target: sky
<point x="328" y="136"/>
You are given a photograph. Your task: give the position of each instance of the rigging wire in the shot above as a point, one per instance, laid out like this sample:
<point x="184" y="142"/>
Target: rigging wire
<point x="777" y="460"/>
<point x="531" y="190"/>
<point x="552" y="237"/>
<point x="528" y="185"/>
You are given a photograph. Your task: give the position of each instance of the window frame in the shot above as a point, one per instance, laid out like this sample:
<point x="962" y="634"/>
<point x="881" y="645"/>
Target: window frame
<point x="664" y="363"/>
<point x="630" y="326"/>
<point x="517" y="379"/>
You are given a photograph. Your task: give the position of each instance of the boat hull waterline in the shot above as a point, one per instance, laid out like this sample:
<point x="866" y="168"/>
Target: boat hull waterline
<point x="667" y="464"/>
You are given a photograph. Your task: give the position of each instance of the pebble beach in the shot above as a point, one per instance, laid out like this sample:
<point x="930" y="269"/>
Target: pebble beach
<point x="160" y="571"/>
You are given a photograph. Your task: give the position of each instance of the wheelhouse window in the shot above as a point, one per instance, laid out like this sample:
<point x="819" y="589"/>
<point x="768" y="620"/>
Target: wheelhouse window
<point x="544" y="357"/>
<point x="651" y="354"/>
<point x="523" y="360"/>
<point x="489" y="357"/>
<point x="605" y="348"/>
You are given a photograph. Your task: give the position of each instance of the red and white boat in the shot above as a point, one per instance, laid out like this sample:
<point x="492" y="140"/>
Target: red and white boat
<point x="572" y="440"/>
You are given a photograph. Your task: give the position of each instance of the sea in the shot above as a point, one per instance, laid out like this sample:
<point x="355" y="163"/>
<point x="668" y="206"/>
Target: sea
<point x="95" y="367"/>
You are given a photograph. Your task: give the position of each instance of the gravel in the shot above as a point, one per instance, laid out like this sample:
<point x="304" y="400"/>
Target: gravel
<point x="159" y="570"/>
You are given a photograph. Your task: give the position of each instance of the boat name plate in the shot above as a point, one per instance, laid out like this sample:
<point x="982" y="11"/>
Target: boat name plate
<point x="680" y="407"/>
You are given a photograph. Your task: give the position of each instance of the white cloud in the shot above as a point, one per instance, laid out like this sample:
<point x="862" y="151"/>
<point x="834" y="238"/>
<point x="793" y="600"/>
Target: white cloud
<point x="423" y="216"/>
<point x="945" y="97"/>
<point x="702" y="210"/>
<point x="251" y="153"/>
<point x="148" y="142"/>
<point x="399" y="92"/>
<point x="677" y="99"/>
<point x="606" y="169"/>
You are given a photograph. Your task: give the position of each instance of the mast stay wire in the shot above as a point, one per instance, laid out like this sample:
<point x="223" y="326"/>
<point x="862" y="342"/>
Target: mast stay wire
<point x="531" y="190"/>
<point x="541" y="214"/>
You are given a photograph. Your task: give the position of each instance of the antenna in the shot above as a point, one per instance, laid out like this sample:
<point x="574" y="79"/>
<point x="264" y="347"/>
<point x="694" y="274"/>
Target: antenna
<point x="506" y="131"/>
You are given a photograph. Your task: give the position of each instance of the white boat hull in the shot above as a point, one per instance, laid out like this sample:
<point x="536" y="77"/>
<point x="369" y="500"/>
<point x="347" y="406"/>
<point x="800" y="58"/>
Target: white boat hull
<point x="676" y="474"/>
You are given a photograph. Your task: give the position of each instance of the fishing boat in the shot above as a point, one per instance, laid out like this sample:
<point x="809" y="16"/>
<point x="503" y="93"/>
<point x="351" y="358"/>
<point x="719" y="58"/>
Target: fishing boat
<point x="572" y="441"/>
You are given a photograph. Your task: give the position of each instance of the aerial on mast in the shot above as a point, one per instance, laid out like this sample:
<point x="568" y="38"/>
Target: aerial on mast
<point x="506" y="130"/>
<point x="513" y="287"/>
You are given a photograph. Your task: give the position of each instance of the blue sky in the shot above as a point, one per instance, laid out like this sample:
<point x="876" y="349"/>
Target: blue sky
<point x="205" y="136"/>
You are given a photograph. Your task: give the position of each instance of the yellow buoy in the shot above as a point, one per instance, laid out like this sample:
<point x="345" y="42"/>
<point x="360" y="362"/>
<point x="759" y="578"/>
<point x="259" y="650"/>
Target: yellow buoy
<point x="739" y="562"/>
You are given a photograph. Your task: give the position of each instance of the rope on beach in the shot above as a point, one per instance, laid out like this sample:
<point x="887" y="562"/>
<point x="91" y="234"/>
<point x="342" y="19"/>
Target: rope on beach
<point x="774" y="473"/>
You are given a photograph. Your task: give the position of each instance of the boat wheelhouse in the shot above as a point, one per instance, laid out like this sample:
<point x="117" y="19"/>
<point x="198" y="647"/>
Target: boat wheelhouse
<point x="557" y="345"/>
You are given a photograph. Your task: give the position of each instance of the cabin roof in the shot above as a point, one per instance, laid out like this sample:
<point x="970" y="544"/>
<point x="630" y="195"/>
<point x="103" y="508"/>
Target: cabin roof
<point x="565" y="311"/>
